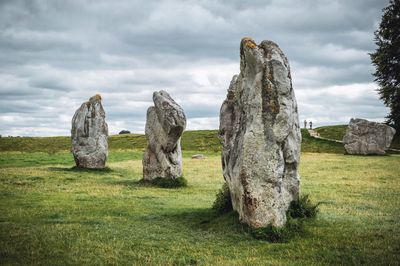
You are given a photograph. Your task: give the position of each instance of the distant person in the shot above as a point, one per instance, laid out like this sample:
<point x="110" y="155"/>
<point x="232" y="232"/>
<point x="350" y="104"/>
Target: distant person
<point x="305" y="124"/>
<point x="310" y="125"/>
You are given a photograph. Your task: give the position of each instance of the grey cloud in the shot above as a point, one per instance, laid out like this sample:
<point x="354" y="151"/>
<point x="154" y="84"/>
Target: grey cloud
<point x="54" y="55"/>
<point x="52" y="84"/>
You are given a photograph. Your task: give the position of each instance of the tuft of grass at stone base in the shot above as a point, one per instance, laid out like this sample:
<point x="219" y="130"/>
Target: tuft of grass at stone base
<point x="299" y="212"/>
<point x="91" y="170"/>
<point x="166" y="182"/>
<point x="223" y="203"/>
<point x="302" y="208"/>
<point x="273" y="234"/>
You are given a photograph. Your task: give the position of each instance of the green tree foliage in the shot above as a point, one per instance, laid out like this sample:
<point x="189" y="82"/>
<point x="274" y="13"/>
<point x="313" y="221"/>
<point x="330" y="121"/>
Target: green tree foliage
<point x="386" y="59"/>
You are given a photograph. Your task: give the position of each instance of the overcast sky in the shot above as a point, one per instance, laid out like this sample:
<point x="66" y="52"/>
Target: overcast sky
<point x="54" y="55"/>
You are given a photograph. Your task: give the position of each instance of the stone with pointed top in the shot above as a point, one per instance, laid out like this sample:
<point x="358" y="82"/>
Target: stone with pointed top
<point x="89" y="135"/>
<point x="260" y="134"/>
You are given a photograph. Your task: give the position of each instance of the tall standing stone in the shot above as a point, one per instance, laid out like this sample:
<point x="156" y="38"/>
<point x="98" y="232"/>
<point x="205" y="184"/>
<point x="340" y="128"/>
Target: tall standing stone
<point x="89" y="134"/>
<point x="260" y="133"/>
<point x="165" y="124"/>
<point x="365" y="137"/>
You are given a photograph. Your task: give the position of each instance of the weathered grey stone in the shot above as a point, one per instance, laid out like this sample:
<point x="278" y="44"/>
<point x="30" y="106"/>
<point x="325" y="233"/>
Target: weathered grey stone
<point x="365" y="137"/>
<point x="89" y="135"/>
<point x="165" y="124"/>
<point x="260" y="133"/>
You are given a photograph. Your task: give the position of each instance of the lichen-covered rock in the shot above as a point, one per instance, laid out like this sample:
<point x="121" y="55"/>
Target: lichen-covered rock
<point x="89" y="135"/>
<point x="365" y="137"/>
<point x="165" y="124"/>
<point x="260" y="133"/>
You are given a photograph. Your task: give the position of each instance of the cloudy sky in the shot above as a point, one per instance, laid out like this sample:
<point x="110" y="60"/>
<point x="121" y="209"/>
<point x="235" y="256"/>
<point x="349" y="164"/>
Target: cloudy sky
<point x="55" y="54"/>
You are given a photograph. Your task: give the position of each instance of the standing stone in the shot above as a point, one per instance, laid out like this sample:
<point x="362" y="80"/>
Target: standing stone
<point x="89" y="134"/>
<point x="260" y="133"/>
<point x="165" y="124"/>
<point x="365" y="137"/>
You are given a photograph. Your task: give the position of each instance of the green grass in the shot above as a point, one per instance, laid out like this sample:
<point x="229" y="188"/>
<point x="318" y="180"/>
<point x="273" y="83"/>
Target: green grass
<point x="54" y="214"/>
<point x="199" y="141"/>
<point x="38" y="144"/>
<point x="310" y="144"/>
<point x="55" y="150"/>
<point x="21" y="159"/>
<point x="166" y="182"/>
<point x="192" y="142"/>
<point x="223" y="203"/>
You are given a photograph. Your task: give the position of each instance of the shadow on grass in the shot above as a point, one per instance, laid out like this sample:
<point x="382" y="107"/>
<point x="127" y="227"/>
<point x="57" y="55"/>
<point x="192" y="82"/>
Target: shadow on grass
<point x="206" y="219"/>
<point x="80" y="170"/>
<point x="227" y="221"/>
<point x="130" y="183"/>
<point x="135" y="182"/>
<point x="369" y="155"/>
<point x="59" y="219"/>
<point x="228" y="225"/>
<point x="166" y="182"/>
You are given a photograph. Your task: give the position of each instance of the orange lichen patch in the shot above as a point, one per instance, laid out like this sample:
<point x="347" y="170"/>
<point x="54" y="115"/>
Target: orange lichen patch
<point x="97" y="97"/>
<point x="249" y="42"/>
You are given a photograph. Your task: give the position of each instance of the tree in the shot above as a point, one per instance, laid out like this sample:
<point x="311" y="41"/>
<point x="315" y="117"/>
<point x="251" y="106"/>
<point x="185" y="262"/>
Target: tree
<point x="386" y="60"/>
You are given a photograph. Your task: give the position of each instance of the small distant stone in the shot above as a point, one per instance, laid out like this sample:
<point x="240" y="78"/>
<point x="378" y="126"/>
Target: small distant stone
<point x="365" y="137"/>
<point x="198" y="156"/>
<point x="124" y="132"/>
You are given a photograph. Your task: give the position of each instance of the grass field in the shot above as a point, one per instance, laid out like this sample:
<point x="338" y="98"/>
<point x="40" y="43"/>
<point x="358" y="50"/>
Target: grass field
<point x="52" y="214"/>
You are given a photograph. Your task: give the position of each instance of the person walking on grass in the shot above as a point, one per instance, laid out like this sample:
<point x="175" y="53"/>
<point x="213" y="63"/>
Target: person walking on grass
<point x="310" y="125"/>
<point x="305" y="124"/>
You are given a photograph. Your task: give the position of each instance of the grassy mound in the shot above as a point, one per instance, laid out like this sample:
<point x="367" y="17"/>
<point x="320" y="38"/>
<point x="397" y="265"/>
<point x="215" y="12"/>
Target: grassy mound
<point x="197" y="141"/>
<point x="332" y="132"/>
<point x="310" y="144"/>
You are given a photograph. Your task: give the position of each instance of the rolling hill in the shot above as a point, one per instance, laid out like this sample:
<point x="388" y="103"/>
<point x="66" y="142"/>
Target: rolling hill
<point x="199" y="140"/>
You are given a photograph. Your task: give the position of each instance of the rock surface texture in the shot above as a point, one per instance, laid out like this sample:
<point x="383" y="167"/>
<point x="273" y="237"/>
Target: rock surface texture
<point x="260" y="133"/>
<point x="365" y="137"/>
<point x="89" y="134"/>
<point x="165" y="124"/>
